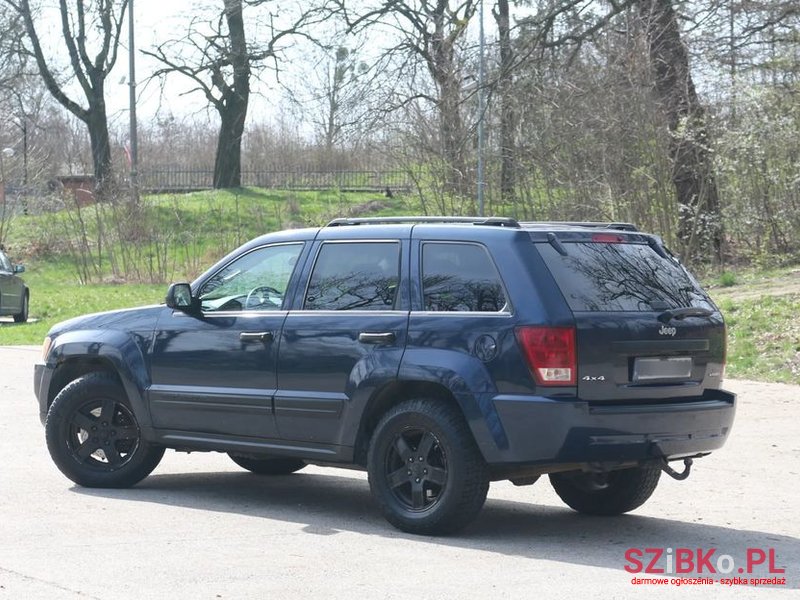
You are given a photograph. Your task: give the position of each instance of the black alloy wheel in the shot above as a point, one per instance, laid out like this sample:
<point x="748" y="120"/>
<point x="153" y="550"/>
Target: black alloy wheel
<point x="425" y="471"/>
<point x="93" y="435"/>
<point x="416" y="469"/>
<point x="103" y="434"/>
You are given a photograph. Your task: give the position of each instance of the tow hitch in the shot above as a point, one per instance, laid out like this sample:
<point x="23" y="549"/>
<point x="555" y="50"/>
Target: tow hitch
<point x="687" y="463"/>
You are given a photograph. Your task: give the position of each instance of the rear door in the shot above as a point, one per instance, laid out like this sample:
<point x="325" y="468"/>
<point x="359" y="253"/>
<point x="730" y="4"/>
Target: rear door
<point x="645" y="328"/>
<point x="347" y="334"/>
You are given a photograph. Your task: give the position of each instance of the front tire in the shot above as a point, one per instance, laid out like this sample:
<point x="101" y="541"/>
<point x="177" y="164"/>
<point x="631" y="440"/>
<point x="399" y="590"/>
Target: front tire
<point x="425" y="471"/>
<point x="94" y="437"/>
<point x="269" y="466"/>
<point x="614" y="493"/>
<point x="22" y="316"/>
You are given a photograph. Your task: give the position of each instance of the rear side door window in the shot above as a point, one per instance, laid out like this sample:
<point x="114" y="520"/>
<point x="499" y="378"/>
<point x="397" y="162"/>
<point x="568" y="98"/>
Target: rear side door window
<point x="460" y="277"/>
<point x="354" y="276"/>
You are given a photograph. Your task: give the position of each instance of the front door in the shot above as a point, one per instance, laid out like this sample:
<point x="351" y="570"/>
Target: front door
<point x="214" y="372"/>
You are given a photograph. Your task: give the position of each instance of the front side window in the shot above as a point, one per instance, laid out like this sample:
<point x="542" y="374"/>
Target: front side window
<point x="355" y="276"/>
<point x="460" y="278"/>
<point x="5" y="264"/>
<point x="255" y="281"/>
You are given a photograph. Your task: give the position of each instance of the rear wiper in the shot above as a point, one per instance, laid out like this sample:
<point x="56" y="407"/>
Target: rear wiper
<point x="682" y="313"/>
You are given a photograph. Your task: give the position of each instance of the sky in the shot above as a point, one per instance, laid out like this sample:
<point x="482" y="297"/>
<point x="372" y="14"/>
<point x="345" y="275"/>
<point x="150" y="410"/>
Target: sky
<point x="160" y="20"/>
<point x="155" y="21"/>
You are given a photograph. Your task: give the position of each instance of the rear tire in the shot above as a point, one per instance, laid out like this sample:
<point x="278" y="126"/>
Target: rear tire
<point x="269" y="466"/>
<point x="94" y="437"/>
<point x="425" y="472"/>
<point x="618" y="492"/>
<point x="22" y="316"/>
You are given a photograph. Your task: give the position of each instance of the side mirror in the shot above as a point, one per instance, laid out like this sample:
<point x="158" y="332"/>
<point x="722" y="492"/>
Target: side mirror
<point x="179" y="297"/>
<point x="19" y="268"/>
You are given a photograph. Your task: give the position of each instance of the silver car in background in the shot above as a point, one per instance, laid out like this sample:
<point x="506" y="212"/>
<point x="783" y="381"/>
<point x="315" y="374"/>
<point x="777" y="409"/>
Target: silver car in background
<point x="14" y="294"/>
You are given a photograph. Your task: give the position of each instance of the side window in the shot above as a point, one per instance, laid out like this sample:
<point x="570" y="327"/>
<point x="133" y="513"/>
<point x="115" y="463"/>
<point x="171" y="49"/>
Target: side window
<point x="5" y="264"/>
<point x="355" y="276"/>
<point x="255" y="281"/>
<point x="460" y="278"/>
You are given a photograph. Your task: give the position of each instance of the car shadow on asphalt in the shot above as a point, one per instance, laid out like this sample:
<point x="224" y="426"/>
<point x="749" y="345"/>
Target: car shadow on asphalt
<point x="329" y="504"/>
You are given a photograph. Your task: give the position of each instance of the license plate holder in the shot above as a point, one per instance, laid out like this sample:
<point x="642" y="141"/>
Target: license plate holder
<point x="662" y="367"/>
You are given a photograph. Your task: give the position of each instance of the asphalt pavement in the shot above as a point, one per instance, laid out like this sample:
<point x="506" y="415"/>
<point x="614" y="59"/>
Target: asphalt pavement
<point x="200" y="527"/>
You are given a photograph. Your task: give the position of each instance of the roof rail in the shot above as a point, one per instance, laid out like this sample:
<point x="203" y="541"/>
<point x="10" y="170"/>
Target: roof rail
<point x="590" y="224"/>
<point x="495" y="221"/>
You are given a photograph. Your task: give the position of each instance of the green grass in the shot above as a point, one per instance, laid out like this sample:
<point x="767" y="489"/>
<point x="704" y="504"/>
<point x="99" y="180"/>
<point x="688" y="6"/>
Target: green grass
<point x="174" y="235"/>
<point x="194" y="230"/>
<point x="55" y="296"/>
<point x="727" y="279"/>
<point x="183" y="235"/>
<point x="763" y="338"/>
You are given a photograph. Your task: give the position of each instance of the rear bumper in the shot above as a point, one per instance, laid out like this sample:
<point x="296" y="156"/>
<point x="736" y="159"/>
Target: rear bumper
<point x="542" y="431"/>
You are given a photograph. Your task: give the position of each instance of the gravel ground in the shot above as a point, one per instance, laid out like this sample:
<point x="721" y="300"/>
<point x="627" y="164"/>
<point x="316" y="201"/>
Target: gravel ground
<point x="200" y="527"/>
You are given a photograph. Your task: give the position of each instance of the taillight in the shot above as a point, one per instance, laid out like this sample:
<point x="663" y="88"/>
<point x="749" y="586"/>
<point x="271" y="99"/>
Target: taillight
<point x="550" y="352"/>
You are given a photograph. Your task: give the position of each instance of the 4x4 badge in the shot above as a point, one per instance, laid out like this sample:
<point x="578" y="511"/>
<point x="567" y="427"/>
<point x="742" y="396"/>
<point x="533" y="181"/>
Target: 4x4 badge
<point x="667" y="330"/>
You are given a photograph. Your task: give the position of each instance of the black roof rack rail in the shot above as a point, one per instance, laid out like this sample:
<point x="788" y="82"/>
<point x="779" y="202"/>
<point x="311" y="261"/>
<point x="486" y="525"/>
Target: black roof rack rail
<point x="496" y="221"/>
<point x="590" y="224"/>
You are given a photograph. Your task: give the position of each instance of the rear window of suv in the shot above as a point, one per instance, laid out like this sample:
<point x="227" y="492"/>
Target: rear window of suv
<point x="627" y="277"/>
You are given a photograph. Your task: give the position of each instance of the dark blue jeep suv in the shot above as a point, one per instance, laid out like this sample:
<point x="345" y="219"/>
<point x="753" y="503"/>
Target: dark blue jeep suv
<point x="439" y="354"/>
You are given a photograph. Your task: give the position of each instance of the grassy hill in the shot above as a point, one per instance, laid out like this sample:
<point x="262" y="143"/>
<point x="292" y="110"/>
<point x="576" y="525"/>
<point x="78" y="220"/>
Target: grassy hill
<point x="101" y="258"/>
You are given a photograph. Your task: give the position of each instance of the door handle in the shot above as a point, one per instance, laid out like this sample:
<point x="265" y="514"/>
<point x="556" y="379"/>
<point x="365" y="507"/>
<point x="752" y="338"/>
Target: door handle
<point x="376" y="338"/>
<point x="253" y="336"/>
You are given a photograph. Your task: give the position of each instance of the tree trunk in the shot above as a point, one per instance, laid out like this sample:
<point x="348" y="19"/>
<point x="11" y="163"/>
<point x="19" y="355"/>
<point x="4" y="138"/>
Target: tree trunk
<point x="451" y="128"/>
<point x="232" y="107"/>
<point x="228" y="162"/>
<point x="97" y="124"/>
<point x="507" y="112"/>
<point x="699" y="218"/>
<point x="90" y="74"/>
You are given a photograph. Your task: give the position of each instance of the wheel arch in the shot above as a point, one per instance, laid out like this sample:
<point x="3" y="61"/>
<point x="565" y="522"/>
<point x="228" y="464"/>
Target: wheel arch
<point x="387" y="396"/>
<point x="400" y="390"/>
<point x="116" y="354"/>
<point x="74" y="367"/>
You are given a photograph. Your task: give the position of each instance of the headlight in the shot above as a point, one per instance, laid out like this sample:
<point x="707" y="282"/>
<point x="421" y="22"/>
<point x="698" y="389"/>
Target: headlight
<point x="46" y="347"/>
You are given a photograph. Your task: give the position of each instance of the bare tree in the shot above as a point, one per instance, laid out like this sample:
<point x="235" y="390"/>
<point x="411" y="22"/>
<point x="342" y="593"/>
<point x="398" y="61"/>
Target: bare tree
<point x="564" y="25"/>
<point x="700" y="219"/>
<point x="221" y="64"/>
<point x="11" y="56"/>
<point x="343" y="95"/>
<point x="429" y="33"/>
<point x="505" y="94"/>
<point x="93" y="23"/>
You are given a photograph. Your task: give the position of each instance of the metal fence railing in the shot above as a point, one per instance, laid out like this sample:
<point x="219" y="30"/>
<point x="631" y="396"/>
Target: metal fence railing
<point x="165" y="180"/>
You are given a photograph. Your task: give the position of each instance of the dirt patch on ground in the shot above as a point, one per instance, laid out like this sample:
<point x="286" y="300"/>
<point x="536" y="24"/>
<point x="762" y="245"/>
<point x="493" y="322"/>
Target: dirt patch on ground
<point x="788" y="283"/>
